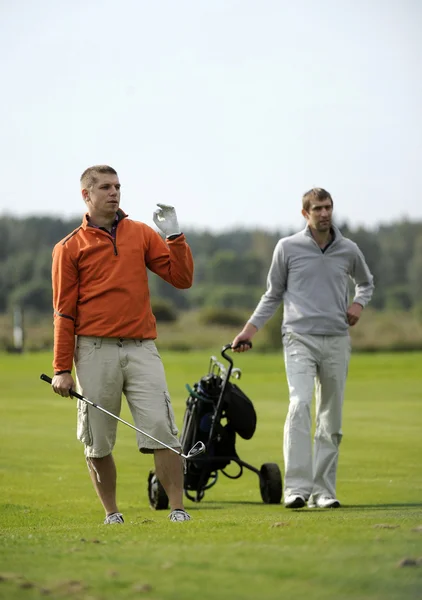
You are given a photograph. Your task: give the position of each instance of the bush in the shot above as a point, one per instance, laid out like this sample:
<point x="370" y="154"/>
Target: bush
<point x="272" y="331"/>
<point x="398" y="298"/>
<point x="34" y="295"/>
<point x="163" y="310"/>
<point x="222" y="316"/>
<point x="417" y="311"/>
<point x="226" y="296"/>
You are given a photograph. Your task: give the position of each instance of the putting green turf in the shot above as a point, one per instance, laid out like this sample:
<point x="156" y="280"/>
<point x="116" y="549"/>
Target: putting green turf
<point x="53" y="542"/>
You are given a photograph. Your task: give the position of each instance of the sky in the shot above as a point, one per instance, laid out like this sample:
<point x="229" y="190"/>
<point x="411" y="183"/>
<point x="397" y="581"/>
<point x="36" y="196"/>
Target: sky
<point x="228" y="110"/>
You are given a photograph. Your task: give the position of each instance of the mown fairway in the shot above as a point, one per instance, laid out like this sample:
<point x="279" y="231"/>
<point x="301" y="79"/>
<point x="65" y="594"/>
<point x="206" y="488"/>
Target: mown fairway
<point x="53" y="543"/>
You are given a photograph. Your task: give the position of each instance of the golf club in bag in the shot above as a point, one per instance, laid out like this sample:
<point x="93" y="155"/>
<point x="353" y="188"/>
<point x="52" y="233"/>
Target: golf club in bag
<point x="196" y="449"/>
<point x="216" y="412"/>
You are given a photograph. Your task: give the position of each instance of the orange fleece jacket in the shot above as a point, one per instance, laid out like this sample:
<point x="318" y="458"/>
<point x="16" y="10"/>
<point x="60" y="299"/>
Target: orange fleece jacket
<point x="100" y="285"/>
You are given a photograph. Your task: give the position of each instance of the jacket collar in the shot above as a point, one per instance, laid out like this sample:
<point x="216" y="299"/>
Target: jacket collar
<point x="337" y="235"/>
<point x="120" y="213"/>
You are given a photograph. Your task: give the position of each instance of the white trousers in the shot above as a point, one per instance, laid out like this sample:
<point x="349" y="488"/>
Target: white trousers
<point x="314" y="363"/>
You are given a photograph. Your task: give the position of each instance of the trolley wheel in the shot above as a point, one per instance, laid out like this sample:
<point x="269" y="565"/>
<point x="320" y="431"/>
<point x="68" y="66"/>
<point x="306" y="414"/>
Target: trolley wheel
<point x="270" y="483"/>
<point x="156" y="494"/>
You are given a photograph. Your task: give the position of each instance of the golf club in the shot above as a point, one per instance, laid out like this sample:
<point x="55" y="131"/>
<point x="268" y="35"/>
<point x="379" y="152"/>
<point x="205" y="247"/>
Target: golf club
<point x="198" y="448"/>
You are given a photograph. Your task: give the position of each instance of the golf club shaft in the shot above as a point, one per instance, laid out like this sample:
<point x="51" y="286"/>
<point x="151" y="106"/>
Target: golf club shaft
<point x="76" y="395"/>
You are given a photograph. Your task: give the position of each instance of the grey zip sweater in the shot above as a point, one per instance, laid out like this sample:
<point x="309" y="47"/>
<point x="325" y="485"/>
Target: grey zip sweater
<point x="314" y="284"/>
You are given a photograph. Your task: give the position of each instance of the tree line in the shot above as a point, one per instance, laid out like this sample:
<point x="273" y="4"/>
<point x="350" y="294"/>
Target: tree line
<point x="230" y="267"/>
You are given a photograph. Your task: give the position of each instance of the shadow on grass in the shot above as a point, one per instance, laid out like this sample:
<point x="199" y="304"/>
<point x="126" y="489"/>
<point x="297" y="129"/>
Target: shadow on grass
<point x="221" y="504"/>
<point x="383" y="506"/>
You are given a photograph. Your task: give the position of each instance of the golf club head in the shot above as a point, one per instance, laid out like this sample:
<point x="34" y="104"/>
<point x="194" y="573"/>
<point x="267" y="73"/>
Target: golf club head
<point x="236" y="373"/>
<point x="198" y="448"/>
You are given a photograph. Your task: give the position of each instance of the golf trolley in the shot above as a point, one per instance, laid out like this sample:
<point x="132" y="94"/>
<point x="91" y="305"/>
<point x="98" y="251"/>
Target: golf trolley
<point x="217" y="410"/>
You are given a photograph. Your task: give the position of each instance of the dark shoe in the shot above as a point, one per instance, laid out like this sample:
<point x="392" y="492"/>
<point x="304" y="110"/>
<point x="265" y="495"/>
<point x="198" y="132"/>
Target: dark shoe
<point x="294" y="501"/>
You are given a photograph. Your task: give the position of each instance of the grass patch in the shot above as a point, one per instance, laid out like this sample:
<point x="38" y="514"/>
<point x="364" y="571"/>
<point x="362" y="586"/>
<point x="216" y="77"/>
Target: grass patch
<point x="53" y="543"/>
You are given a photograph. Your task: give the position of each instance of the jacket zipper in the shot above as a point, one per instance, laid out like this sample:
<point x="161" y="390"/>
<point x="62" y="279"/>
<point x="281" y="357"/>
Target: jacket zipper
<point x="113" y="241"/>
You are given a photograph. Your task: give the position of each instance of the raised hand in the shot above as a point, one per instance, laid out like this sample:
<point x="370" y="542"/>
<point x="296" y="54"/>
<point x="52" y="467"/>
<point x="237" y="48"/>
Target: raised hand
<point x="166" y="219"/>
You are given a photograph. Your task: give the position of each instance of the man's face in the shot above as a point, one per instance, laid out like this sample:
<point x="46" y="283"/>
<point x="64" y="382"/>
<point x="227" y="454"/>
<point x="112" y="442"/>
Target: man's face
<point x="319" y="216"/>
<point x="103" y="198"/>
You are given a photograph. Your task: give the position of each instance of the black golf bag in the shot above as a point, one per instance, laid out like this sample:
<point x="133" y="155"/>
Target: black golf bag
<point x="216" y="412"/>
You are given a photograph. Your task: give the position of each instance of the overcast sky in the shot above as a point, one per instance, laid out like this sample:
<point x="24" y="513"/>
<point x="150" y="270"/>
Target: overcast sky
<point x="228" y="109"/>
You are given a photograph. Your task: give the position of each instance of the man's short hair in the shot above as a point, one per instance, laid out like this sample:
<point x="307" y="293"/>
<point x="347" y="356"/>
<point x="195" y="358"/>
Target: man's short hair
<point x="315" y="194"/>
<point x="89" y="176"/>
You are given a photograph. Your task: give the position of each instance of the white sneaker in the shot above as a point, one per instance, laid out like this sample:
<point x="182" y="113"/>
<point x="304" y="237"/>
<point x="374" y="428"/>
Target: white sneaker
<point x="294" y="501"/>
<point x="179" y="515"/>
<point x="114" y="518"/>
<point x="324" y="502"/>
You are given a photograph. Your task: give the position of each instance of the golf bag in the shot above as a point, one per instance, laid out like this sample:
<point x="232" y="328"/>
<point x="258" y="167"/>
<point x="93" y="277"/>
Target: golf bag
<point x="216" y="412"/>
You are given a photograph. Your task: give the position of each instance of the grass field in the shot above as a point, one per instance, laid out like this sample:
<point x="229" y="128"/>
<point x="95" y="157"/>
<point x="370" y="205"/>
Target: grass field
<point x="53" y="543"/>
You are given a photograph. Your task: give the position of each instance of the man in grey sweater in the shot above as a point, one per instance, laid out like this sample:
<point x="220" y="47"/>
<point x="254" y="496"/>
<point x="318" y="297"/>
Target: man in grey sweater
<point x="310" y="273"/>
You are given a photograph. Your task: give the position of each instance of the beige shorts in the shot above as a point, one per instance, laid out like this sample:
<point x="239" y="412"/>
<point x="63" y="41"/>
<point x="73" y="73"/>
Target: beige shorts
<point x="106" y="368"/>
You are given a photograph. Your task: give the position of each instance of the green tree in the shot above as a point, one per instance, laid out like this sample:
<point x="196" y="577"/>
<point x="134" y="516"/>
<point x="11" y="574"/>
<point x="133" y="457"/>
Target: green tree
<point x="228" y="267"/>
<point x="35" y="295"/>
<point x="414" y="271"/>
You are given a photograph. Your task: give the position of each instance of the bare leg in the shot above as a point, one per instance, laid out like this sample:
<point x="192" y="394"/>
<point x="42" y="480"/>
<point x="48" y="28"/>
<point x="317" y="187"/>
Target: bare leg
<point x="103" y="475"/>
<point x="169" y="469"/>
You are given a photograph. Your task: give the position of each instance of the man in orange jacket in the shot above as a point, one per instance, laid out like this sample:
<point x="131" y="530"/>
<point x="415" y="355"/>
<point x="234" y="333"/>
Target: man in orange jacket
<point x="101" y="296"/>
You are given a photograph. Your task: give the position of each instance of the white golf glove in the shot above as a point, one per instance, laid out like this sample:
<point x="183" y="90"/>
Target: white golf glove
<point x="166" y="219"/>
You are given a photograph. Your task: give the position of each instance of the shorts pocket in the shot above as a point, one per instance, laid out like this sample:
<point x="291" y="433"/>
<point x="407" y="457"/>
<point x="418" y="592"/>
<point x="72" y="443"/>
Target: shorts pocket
<point x="83" y="432"/>
<point x="83" y="351"/>
<point x="152" y="348"/>
<point x="170" y="414"/>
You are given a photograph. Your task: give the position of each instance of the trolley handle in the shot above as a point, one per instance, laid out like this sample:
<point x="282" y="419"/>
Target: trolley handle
<point x="229" y="347"/>
<point x="224" y="385"/>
